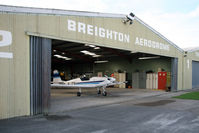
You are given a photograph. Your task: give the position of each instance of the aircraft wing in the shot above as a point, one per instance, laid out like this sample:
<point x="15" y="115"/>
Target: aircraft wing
<point x="80" y="85"/>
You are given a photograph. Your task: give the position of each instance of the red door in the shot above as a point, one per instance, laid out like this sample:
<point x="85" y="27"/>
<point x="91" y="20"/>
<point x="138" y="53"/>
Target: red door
<point x="162" y="80"/>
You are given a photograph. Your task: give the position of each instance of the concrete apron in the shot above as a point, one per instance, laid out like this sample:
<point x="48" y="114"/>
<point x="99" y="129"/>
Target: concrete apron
<point x="63" y="100"/>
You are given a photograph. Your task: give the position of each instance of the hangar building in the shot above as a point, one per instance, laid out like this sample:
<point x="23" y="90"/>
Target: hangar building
<point x="35" y="41"/>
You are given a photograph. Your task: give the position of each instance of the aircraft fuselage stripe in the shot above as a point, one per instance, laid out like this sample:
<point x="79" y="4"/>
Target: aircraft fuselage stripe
<point x="90" y="82"/>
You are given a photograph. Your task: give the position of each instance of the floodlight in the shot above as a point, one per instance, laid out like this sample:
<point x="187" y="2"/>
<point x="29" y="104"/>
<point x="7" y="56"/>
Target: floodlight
<point x="129" y="18"/>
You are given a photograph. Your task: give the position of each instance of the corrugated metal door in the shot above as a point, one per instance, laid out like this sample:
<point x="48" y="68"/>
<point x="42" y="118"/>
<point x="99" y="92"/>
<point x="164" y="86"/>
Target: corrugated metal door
<point x="142" y="80"/>
<point x="135" y="80"/>
<point x="40" y="70"/>
<point x="174" y="74"/>
<point x="195" y="74"/>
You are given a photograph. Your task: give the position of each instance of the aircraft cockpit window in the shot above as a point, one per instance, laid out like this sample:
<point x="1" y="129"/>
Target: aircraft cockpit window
<point x="84" y="78"/>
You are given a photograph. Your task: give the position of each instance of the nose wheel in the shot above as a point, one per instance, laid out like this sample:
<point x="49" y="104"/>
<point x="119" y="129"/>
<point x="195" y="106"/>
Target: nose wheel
<point x="104" y="91"/>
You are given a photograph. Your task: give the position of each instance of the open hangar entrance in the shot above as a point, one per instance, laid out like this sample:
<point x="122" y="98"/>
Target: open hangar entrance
<point x="73" y="59"/>
<point x="141" y="70"/>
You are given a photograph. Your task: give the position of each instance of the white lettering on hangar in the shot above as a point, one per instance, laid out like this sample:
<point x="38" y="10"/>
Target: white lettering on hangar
<point x="97" y="31"/>
<point x="151" y="44"/>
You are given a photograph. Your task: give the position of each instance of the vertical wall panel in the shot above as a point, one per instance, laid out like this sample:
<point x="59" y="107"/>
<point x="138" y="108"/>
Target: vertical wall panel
<point x="14" y="72"/>
<point x="135" y="80"/>
<point x="142" y="80"/>
<point x="46" y="73"/>
<point x="195" y="74"/>
<point x="174" y="74"/>
<point x="40" y="67"/>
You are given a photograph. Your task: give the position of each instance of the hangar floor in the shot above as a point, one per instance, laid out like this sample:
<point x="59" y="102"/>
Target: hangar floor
<point x="65" y="99"/>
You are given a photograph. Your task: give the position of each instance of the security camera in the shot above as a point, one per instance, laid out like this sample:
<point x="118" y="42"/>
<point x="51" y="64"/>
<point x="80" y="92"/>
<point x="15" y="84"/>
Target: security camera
<point x="129" y="18"/>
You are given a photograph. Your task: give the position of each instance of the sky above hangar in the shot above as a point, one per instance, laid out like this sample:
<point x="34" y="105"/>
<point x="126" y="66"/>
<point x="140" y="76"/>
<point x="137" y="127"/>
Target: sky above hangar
<point x="177" y="20"/>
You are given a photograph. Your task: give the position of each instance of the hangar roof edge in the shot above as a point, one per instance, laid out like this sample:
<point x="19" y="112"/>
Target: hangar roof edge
<point x="34" y="10"/>
<point x="50" y="11"/>
<point x="191" y="49"/>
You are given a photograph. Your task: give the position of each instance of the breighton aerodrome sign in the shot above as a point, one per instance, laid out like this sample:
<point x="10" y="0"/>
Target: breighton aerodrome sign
<point x="97" y="31"/>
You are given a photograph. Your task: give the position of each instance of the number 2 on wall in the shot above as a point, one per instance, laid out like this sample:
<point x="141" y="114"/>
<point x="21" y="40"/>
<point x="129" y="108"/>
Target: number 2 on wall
<point x="5" y="40"/>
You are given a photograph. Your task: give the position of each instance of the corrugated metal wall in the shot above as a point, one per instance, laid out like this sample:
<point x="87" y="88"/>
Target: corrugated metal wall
<point x="14" y="72"/>
<point x="195" y="74"/>
<point x="174" y="74"/>
<point x="40" y="70"/>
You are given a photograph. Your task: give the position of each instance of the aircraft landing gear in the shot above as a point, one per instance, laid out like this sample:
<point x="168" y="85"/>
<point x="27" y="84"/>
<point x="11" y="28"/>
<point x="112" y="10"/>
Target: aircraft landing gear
<point x="99" y="92"/>
<point x="78" y="94"/>
<point x="104" y="93"/>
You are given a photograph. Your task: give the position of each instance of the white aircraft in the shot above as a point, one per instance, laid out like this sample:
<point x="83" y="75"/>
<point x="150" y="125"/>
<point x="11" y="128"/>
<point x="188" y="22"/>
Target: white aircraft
<point x="94" y="82"/>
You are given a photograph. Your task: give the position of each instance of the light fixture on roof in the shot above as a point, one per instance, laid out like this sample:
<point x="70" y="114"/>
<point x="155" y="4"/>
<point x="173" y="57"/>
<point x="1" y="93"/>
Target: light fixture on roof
<point x="90" y="45"/>
<point x="146" y="58"/>
<point x="97" y="48"/>
<point x="96" y="55"/>
<point x="62" y="57"/>
<point x="87" y="52"/>
<point x="129" y="18"/>
<point x="54" y="50"/>
<point x="90" y="53"/>
<point x="101" y="61"/>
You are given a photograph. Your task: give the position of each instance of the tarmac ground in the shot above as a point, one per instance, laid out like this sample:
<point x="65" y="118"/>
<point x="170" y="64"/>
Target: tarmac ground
<point x="123" y="110"/>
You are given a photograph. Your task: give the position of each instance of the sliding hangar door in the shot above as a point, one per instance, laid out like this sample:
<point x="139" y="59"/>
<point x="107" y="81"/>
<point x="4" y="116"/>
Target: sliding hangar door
<point x="40" y="70"/>
<point x="195" y="74"/>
